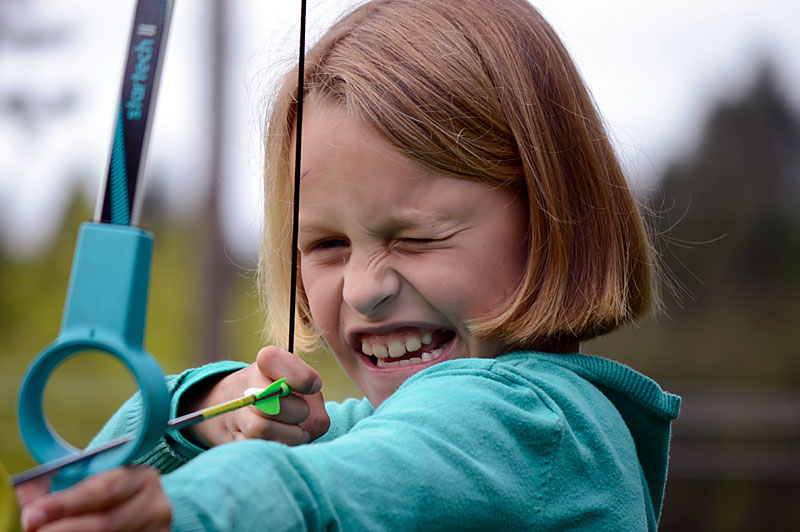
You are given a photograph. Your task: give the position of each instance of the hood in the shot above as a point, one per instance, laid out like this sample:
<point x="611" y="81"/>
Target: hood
<point x="646" y="409"/>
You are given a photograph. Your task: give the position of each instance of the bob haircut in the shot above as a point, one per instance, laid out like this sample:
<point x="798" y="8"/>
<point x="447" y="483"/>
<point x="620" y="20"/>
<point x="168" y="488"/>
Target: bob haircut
<point x="482" y="90"/>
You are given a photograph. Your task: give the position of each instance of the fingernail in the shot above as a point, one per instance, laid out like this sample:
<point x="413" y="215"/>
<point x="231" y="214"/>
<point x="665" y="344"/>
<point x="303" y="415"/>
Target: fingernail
<point x="32" y="518"/>
<point x="306" y="437"/>
<point x="317" y="386"/>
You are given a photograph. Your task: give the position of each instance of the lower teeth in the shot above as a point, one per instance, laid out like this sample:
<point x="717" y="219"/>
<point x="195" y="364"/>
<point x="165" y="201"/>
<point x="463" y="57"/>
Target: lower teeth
<point x="426" y="357"/>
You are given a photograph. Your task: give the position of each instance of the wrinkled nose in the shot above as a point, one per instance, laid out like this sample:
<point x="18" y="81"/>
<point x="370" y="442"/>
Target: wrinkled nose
<point x="369" y="289"/>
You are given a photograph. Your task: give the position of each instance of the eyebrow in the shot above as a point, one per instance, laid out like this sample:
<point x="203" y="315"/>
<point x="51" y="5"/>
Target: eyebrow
<point x="413" y="221"/>
<point x="395" y="223"/>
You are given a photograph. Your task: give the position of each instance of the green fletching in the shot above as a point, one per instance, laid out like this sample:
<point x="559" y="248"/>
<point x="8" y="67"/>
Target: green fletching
<point x="272" y="405"/>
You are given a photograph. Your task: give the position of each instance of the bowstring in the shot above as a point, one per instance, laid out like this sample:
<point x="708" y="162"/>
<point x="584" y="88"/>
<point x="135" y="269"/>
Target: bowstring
<point x="298" y="143"/>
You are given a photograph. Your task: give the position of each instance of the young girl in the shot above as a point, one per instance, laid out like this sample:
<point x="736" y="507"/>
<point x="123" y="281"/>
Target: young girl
<point x="464" y="225"/>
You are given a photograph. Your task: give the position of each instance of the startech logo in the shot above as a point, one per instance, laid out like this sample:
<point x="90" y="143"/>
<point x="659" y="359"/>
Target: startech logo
<point x="134" y="107"/>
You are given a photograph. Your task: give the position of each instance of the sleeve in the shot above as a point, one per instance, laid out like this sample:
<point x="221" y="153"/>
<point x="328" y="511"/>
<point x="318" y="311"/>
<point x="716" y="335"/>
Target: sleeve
<point x="442" y="453"/>
<point x="173" y="450"/>
<point x="344" y="416"/>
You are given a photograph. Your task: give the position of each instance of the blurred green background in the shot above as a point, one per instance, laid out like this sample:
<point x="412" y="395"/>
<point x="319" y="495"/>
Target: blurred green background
<point x="728" y="228"/>
<point x="725" y="218"/>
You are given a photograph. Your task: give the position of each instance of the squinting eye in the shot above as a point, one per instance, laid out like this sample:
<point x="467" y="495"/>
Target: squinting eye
<point x="329" y="244"/>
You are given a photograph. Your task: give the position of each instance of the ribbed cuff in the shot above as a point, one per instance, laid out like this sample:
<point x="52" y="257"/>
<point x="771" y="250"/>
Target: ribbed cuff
<point x="173" y="450"/>
<point x="187" y="380"/>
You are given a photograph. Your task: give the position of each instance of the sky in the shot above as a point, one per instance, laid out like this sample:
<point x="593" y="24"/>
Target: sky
<point x="654" y="69"/>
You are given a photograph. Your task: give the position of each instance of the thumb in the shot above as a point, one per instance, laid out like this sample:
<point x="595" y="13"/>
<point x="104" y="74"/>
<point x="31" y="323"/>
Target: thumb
<point x="275" y="362"/>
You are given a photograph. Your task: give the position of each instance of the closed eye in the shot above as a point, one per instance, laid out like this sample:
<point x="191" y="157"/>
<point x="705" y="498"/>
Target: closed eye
<point x="417" y="244"/>
<point x="325" y="244"/>
<point x="331" y="243"/>
<point x="413" y="244"/>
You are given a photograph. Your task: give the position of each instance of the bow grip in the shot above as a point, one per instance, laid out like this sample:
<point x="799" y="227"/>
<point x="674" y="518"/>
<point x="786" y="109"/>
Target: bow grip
<point x="105" y="311"/>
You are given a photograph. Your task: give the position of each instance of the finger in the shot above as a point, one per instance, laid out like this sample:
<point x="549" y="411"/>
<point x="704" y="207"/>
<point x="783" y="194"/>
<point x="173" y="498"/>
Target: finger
<point x="317" y="423"/>
<point x="97" y="522"/>
<point x="294" y="410"/>
<point x="275" y="362"/>
<point x="90" y="495"/>
<point x="31" y="490"/>
<point x="274" y="431"/>
<point x="146" y="509"/>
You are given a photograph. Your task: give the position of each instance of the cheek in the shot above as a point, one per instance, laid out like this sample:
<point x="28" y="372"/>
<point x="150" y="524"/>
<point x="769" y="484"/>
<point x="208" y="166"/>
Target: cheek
<point x="456" y="286"/>
<point x="495" y="275"/>
<point x="509" y="249"/>
<point x="320" y="294"/>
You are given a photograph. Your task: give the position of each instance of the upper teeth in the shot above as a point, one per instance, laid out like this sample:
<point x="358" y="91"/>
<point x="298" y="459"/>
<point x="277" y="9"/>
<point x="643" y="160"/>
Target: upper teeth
<point x="380" y="351"/>
<point x="413" y="343"/>
<point x="396" y="348"/>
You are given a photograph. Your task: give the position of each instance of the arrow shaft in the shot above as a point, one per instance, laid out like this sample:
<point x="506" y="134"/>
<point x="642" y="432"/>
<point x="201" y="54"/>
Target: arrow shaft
<point x="178" y="423"/>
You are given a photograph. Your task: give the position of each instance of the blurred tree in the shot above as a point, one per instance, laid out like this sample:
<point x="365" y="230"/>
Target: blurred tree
<point x="730" y="239"/>
<point x="730" y="236"/>
<point x="216" y="266"/>
<point x="741" y="186"/>
<point x="26" y="30"/>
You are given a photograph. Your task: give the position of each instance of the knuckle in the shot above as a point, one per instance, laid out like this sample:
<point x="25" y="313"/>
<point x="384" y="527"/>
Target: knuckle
<point x="98" y="522"/>
<point x="164" y="517"/>
<point x="302" y="412"/>
<point x="317" y="425"/>
<point x="267" y="359"/>
<point x="55" y="509"/>
<point x="150" y="475"/>
<point x="164" y="508"/>
<point x="110" y="521"/>
<point x="294" y="436"/>
<point x="323" y="423"/>
<point x="103" y="488"/>
<point x="255" y="427"/>
<point x="161" y="508"/>
<point x="310" y="381"/>
<point x="263" y="352"/>
<point x="269" y="352"/>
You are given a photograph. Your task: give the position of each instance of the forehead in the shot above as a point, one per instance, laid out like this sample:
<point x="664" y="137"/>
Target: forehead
<point x="351" y="172"/>
<point x="351" y="193"/>
<point x="333" y="139"/>
<point x="345" y="160"/>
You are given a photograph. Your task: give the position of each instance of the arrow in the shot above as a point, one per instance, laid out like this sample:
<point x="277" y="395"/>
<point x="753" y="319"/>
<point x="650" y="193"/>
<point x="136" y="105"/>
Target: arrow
<point x="266" y="400"/>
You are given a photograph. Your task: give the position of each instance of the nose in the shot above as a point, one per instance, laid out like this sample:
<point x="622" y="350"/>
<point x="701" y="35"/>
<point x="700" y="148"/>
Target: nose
<point x="369" y="288"/>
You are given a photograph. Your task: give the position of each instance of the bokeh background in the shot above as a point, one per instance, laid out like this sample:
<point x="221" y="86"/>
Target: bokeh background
<point x="702" y="102"/>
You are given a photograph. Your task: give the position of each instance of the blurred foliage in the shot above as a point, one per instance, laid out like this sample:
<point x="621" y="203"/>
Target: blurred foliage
<point x="729" y="232"/>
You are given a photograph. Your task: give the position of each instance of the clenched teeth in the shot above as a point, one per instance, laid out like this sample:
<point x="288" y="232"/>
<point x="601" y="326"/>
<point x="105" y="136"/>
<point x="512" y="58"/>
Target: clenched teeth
<point x="413" y="343"/>
<point x="396" y="348"/>
<point x="380" y="351"/>
<point x="426" y="357"/>
<point x="366" y="348"/>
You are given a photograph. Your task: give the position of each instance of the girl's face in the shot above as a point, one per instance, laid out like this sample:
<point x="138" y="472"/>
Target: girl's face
<point x="396" y="260"/>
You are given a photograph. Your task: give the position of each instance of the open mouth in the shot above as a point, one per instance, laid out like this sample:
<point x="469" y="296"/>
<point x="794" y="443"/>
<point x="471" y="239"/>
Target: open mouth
<point x="405" y="347"/>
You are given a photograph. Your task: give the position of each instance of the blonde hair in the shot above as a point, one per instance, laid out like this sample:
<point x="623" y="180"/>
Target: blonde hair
<point x="482" y="90"/>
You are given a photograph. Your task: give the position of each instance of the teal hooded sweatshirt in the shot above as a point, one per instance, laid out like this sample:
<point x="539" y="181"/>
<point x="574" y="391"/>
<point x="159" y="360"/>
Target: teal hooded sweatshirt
<point x="524" y="441"/>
